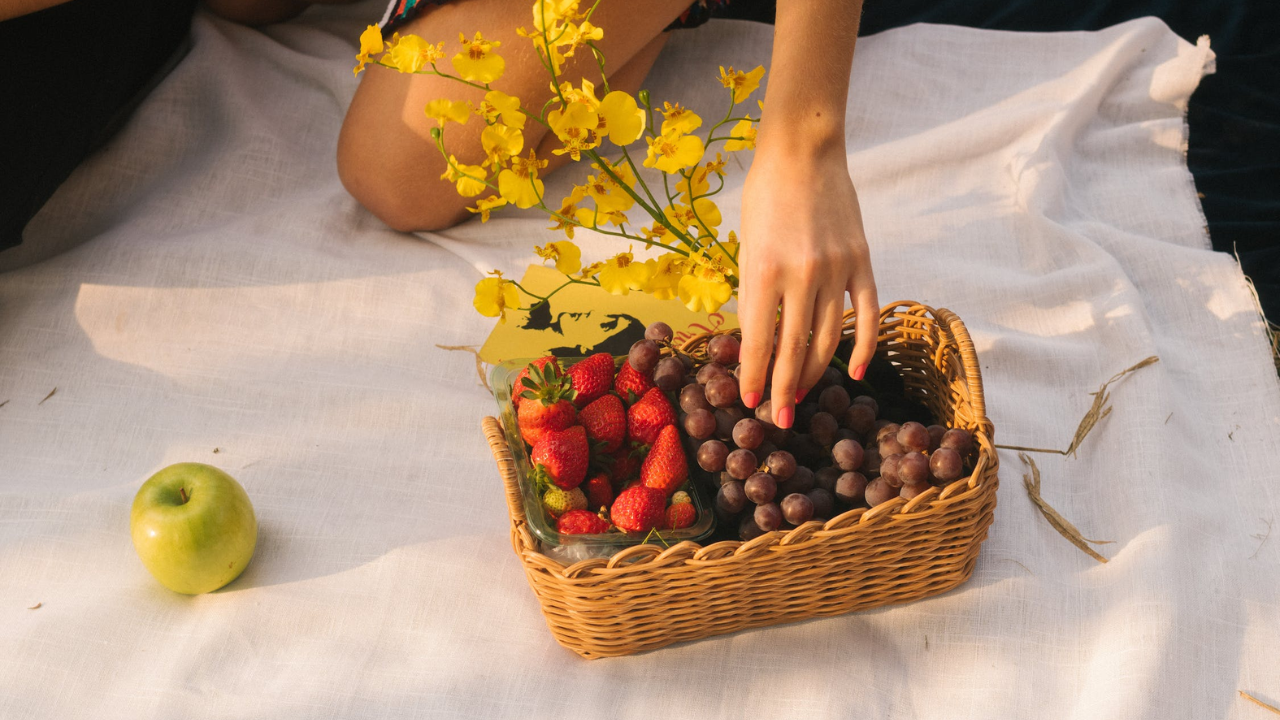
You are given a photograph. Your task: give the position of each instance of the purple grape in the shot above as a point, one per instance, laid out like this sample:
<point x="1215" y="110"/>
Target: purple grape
<point x="859" y="418"/>
<point x="851" y="487"/>
<point x="669" y="374"/>
<point x="687" y="361"/>
<point x="748" y="529"/>
<point x="781" y="437"/>
<point x="722" y="391"/>
<point x="871" y="462"/>
<point x="891" y="446"/>
<point x="804" y="414"/>
<point x="782" y="464"/>
<point x="889" y="470"/>
<point x="724" y="477"/>
<point x="741" y="464"/>
<point x="834" y="400"/>
<point x="807" y="451"/>
<point x="711" y="370"/>
<point x="848" y="455"/>
<point x="913" y="469"/>
<point x="869" y="402"/>
<point x="692" y="398"/>
<point x="659" y="331"/>
<point x="946" y="464"/>
<point x="726" y="419"/>
<point x="910" y="490"/>
<point x="723" y="349"/>
<point x="644" y="356"/>
<point x="935" y="436"/>
<point x="824" y="504"/>
<point x="847" y="434"/>
<point x="797" y="508"/>
<point x="760" y="488"/>
<point x="700" y="424"/>
<point x="768" y="517"/>
<point x="800" y="482"/>
<point x="765" y="450"/>
<point x="748" y="433"/>
<point x="711" y="455"/>
<point x="959" y="440"/>
<point x="830" y="376"/>
<point x="823" y="427"/>
<point x="826" y="478"/>
<point x="913" y="437"/>
<point x="886" y="430"/>
<point x="731" y="498"/>
<point x="879" y="492"/>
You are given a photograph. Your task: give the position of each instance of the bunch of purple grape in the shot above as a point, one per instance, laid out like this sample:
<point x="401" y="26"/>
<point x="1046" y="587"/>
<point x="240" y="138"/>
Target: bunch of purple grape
<point x="840" y="454"/>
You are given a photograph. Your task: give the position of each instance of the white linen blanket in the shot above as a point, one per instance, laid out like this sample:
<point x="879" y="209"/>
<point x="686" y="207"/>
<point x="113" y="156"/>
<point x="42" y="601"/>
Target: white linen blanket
<point x="222" y="299"/>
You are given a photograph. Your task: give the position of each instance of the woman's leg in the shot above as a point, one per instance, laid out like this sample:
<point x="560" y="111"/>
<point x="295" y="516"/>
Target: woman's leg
<point x="386" y="157"/>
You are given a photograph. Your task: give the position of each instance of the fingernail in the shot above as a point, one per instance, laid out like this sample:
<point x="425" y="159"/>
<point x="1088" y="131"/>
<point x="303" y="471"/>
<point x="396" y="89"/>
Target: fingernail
<point x="800" y="395"/>
<point x="858" y="372"/>
<point x="786" y="417"/>
<point x="751" y="399"/>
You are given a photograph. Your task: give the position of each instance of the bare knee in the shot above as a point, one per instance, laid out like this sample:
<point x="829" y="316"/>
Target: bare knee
<point x="407" y="195"/>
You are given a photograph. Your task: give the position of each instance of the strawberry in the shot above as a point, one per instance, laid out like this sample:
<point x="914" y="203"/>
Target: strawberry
<point x="599" y="491"/>
<point x="581" y="522"/>
<point x="605" y="420"/>
<point x="547" y="402"/>
<point x="681" y="497"/>
<point x="560" y="457"/>
<point x="680" y="515"/>
<point x="665" y="467"/>
<point x="631" y="384"/>
<point x="518" y="386"/>
<point x="638" y="509"/>
<point x="592" y="377"/>
<point x="647" y="417"/>
<point x="624" y="467"/>
<point x="557" y="501"/>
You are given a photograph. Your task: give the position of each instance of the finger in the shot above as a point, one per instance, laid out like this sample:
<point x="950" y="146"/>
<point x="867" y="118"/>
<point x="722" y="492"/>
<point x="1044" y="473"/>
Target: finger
<point x="793" y="345"/>
<point x="866" y="329"/>
<point x="827" y="320"/>
<point x="757" y="315"/>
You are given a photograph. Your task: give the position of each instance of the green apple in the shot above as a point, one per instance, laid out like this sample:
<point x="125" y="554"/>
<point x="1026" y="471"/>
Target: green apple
<point x="194" y="527"/>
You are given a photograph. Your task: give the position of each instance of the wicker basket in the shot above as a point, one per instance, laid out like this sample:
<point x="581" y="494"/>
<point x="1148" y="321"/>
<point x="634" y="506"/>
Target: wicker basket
<point x="648" y="596"/>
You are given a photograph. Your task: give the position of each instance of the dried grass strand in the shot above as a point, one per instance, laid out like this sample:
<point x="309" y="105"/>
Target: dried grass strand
<point x="1032" y="482"/>
<point x="479" y="363"/>
<point x="1258" y="702"/>
<point x="46" y="397"/>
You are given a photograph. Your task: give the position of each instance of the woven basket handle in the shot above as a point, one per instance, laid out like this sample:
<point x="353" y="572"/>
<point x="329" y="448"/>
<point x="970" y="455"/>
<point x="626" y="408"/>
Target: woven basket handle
<point x="506" y="467"/>
<point x="968" y="362"/>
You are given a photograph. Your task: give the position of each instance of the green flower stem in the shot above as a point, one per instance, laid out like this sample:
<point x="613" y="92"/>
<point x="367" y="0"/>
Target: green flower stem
<point x="660" y="218"/>
<point x="636" y="171"/>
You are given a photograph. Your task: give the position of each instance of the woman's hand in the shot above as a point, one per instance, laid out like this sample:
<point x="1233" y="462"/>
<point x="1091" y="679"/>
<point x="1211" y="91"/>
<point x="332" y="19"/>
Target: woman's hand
<point x="802" y="247"/>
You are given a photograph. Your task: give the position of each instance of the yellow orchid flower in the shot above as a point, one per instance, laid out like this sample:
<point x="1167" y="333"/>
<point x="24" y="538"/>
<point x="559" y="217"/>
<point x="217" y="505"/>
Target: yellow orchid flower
<point x="597" y="217"/>
<point x="704" y="288"/>
<point x="672" y="151"/>
<point x="621" y="119"/>
<point x="575" y="36"/>
<point x="607" y="194"/>
<point x="477" y="62"/>
<point x="494" y="296"/>
<point x="725" y="252"/>
<point x="586" y="94"/>
<point x="519" y="184"/>
<point x="716" y="166"/>
<point x="703" y="215"/>
<point x="668" y="268"/>
<point x="568" y="210"/>
<point x="742" y="83"/>
<point x="566" y="255"/>
<point x="370" y="44"/>
<point x="500" y="144"/>
<point x="486" y="206"/>
<point x="679" y="118"/>
<point x="656" y="233"/>
<point x="699" y="182"/>
<point x="591" y="270"/>
<point x="549" y="12"/>
<point x="573" y="126"/>
<point x="469" y="178"/>
<point x="499" y="106"/>
<point x="447" y="110"/>
<point x="410" y="53"/>
<point x="621" y="274"/>
<point x="744" y="130"/>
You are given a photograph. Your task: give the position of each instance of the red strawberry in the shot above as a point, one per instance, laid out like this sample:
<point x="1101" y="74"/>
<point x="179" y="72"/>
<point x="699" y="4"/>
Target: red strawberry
<point x="547" y="403"/>
<point x="647" y="417"/>
<point x="625" y="466"/>
<point x="606" y="421"/>
<point x="631" y="384"/>
<point x="518" y="386"/>
<point x="638" y="509"/>
<point x="599" y="491"/>
<point x="665" y="467"/>
<point x="592" y="377"/>
<point x="680" y="515"/>
<point x="581" y="522"/>
<point x="560" y="457"/>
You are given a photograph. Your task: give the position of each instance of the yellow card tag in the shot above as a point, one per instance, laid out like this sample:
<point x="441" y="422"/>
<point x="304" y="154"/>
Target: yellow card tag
<point x="582" y="319"/>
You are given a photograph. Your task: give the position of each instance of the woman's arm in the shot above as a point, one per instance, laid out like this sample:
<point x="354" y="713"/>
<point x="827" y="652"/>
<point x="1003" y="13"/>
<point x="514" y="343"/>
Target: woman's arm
<point x="10" y="9"/>
<point x="802" y="240"/>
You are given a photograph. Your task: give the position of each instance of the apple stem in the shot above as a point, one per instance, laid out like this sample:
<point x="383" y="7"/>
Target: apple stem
<point x="183" y="492"/>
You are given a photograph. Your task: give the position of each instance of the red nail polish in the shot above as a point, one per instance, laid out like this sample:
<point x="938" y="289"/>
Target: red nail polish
<point x="751" y="399"/>
<point x="800" y="395"/>
<point x="858" y="372"/>
<point x="786" y="417"/>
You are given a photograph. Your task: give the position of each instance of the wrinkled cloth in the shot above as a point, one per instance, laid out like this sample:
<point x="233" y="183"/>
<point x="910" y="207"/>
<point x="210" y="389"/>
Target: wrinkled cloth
<point x="204" y="289"/>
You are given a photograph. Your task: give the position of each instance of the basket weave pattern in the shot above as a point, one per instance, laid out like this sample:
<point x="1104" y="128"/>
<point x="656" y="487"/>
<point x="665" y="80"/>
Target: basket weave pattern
<point x="648" y="596"/>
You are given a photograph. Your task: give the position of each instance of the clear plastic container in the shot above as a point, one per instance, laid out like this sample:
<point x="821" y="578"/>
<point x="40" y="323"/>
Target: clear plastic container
<point x="571" y="548"/>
